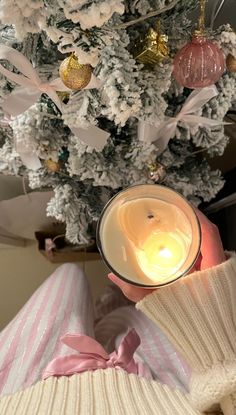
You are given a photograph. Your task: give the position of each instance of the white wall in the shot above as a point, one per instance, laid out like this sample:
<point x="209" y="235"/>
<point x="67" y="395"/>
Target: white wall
<point x="22" y="270"/>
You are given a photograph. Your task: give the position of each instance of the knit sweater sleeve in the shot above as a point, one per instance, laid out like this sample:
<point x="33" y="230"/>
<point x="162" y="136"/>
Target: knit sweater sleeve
<point x="102" y="392"/>
<point x="198" y="314"/>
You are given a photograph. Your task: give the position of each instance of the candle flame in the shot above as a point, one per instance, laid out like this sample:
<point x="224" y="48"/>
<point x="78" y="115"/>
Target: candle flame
<point x="161" y="255"/>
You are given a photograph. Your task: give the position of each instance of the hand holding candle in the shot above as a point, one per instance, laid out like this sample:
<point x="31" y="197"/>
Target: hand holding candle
<point x="212" y="254"/>
<point x="149" y="235"/>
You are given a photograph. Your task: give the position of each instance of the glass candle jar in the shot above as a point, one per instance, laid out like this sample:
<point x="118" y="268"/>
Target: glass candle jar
<point x="149" y="235"/>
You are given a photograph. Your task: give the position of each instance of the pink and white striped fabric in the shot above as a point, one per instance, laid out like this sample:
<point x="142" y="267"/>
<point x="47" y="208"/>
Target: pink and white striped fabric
<point x="60" y="305"/>
<point x="63" y="304"/>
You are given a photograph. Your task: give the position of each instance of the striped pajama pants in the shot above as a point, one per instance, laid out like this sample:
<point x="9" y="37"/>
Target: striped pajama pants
<point x="63" y="304"/>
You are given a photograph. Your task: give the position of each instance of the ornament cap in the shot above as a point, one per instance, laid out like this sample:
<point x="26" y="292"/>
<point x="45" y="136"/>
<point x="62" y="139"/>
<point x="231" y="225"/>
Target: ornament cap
<point x="199" y="36"/>
<point x="156" y="172"/>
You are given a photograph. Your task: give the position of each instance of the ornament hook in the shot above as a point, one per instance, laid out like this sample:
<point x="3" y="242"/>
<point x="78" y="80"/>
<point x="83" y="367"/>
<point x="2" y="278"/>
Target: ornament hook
<point x="202" y="17"/>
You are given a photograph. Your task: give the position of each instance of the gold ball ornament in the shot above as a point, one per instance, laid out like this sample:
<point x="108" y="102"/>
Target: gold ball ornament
<point x="156" y="172"/>
<point x="73" y="74"/>
<point x="53" y="166"/>
<point x="231" y="63"/>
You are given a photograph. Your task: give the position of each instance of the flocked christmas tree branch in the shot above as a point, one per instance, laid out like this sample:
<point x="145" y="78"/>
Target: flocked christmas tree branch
<point x="147" y="16"/>
<point x="83" y="178"/>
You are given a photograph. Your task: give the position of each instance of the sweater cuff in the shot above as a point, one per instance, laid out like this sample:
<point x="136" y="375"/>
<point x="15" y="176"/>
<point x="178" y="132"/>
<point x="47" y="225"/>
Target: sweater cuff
<point x="198" y="314"/>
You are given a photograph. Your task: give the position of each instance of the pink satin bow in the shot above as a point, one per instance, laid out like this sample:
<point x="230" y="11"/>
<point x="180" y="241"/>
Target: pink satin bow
<point x="93" y="356"/>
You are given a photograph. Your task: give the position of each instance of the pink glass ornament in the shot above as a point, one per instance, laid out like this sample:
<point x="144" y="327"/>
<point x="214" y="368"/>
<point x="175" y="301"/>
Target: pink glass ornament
<point x="198" y="64"/>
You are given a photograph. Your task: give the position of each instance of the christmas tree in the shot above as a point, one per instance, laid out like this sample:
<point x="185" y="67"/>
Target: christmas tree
<point x="127" y="95"/>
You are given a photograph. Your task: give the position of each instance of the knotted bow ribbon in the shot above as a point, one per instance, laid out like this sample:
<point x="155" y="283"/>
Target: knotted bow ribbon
<point x="30" y="90"/>
<point x="162" y="134"/>
<point x="31" y="86"/>
<point x="93" y="356"/>
<point x="23" y="97"/>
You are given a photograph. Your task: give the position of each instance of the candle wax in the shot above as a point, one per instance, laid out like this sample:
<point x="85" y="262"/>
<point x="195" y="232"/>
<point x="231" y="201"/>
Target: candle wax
<point x="146" y="239"/>
<point x="161" y="254"/>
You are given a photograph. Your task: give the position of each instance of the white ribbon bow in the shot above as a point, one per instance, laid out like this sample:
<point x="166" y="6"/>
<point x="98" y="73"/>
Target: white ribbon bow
<point x="30" y="90"/>
<point x="31" y="86"/>
<point x="161" y="135"/>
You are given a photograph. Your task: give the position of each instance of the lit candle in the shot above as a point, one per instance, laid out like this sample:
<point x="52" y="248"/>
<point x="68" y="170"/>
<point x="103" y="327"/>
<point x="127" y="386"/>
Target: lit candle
<point x="145" y="235"/>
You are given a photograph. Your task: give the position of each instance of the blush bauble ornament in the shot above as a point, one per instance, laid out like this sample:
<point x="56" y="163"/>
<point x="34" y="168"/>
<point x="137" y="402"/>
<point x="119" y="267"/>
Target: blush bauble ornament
<point x="198" y="64"/>
<point x="201" y="62"/>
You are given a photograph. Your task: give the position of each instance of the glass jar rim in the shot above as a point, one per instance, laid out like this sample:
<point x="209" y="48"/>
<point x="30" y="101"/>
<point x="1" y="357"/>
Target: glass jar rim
<point x="109" y="265"/>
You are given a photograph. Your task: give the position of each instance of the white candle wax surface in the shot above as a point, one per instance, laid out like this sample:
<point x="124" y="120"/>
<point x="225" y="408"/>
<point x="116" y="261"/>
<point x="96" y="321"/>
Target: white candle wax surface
<point x="147" y="240"/>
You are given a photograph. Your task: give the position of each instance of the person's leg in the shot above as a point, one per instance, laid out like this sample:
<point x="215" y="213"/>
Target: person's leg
<point x="60" y="305"/>
<point x="155" y="350"/>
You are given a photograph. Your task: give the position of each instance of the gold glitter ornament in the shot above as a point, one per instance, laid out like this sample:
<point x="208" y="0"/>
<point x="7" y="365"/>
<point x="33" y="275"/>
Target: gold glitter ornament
<point x="156" y="172"/>
<point x="53" y="166"/>
<point x="73" y="74"/>
<point x="153" y="48"/>
<point x="231" y="63"/>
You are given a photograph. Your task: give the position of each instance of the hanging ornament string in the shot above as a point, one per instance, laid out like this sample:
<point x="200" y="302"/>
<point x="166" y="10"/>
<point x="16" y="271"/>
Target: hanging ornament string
<point x="161" y="135"/>
<point x="216" y="10"/>
<point x="202" y="17"/>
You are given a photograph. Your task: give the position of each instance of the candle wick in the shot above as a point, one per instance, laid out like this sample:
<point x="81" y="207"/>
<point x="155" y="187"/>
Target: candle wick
<point x="150" y="216"/>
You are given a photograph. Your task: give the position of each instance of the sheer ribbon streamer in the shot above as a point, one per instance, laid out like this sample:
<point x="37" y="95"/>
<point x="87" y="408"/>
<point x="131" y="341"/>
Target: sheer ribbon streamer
<point x="162" y="134"/>
<point x="30" y="89"/>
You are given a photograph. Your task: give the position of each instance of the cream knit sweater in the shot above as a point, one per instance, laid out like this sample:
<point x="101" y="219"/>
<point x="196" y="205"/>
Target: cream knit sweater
<point x="198" y="313"/>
